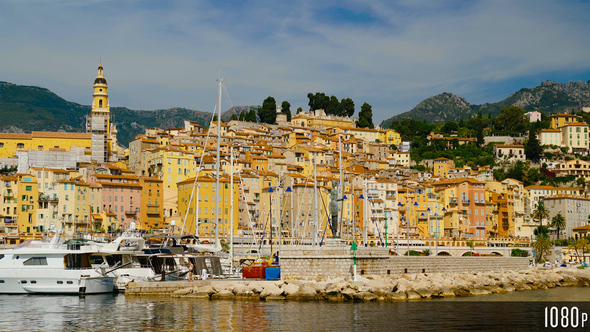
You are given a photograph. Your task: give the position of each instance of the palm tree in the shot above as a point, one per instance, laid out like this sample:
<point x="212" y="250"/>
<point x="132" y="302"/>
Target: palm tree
<point x="542" y="245"/>
<point x="471" y="245"/>
<point x="540" y="213"/>
<point x="558" y="222"/>
<point x="579" y="244"/>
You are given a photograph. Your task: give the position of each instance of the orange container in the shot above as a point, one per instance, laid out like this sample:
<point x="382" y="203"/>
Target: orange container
<point x="254" y="272"/>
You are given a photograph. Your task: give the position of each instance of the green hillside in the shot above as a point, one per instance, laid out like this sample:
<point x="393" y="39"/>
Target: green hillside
<point x="30" y="108"/>
<point x="550" y="97"/>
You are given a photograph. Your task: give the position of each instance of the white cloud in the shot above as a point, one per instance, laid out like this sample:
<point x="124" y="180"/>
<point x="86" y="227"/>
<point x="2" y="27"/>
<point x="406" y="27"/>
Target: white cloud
<point x="168" y="54"/>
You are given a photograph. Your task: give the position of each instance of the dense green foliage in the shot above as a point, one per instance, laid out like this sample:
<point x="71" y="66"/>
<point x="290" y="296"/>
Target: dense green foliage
<point x="511" y="119"/>
<point x="268" y="112"/>
<point x="533" y="149"/>
<point x="518" y="253"/>
<point x="365" y="117"/>
<point x="286" y="108"/>
<point x="330" y="105"/>
<point x="5" y="170"/>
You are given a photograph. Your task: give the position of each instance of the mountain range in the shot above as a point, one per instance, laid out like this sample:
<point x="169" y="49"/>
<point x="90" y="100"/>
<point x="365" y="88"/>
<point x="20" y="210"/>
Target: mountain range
<point x="550" y="97"/>
<point x="29" y="108"/>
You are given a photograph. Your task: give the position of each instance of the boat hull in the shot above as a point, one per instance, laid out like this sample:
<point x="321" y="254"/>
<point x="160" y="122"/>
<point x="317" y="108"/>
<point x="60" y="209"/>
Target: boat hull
<point x="44" y="283"/>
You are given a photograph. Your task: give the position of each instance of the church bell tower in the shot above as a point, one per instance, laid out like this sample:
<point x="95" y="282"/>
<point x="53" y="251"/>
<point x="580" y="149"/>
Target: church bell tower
<point x="98" y="124"/>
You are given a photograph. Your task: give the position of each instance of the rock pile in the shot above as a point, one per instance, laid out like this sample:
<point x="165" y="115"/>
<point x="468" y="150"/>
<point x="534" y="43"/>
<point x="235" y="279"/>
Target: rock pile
<point x="391" y="288"/>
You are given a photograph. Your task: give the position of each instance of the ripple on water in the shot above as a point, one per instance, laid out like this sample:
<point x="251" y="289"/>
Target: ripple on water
<point x="120" y="313"/>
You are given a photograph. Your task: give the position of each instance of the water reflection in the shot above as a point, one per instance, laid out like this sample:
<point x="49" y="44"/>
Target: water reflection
<point x="120" y="313"/>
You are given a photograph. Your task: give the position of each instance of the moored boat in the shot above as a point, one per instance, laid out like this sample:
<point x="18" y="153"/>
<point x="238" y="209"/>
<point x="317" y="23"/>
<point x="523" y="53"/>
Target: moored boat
<point x="36" y="267"/>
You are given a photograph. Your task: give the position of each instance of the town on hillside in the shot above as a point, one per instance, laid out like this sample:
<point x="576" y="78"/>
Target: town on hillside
<point x="304" y="178"/>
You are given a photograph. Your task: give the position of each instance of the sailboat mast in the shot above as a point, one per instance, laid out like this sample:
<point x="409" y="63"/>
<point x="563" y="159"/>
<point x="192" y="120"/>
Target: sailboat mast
<point x="231" y="213"/>
<point x="341" y="186"/>
<point x="217" y="163"/>
<point x="315" y="204"/>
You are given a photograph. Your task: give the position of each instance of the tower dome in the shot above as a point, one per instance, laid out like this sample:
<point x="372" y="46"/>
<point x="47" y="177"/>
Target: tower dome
<point x="100" y="77"/>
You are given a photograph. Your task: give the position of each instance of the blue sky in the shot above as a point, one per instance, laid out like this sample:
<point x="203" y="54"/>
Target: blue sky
<point x="391" y="54"/>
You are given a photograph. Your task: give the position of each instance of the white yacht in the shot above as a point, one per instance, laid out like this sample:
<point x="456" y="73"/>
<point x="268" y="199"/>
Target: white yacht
<point x="124" y="259"/>
<point x="51" y="268"/>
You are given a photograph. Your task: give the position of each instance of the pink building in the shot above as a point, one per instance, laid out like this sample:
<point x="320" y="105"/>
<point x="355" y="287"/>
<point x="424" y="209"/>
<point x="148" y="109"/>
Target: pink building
<point x="533" y="116"/>
<point x="121" y="196"/>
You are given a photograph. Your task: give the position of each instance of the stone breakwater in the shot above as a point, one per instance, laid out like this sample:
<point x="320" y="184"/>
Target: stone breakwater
<point x="378" y="288"/>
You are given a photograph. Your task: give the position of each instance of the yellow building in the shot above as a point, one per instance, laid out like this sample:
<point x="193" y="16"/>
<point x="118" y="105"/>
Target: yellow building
<point x="560" y="120"/>
<point x="203" y="205"/>
<point x="441" y="167"/>
<point x="319" y="119"/>
<point x="390" y="136"/>
<point x="370" y="135"/>
<point x="171" y="165"/>
<point x="152" y="203"/>
<point x="26" y="195"/>
<point x="42" y="141"/>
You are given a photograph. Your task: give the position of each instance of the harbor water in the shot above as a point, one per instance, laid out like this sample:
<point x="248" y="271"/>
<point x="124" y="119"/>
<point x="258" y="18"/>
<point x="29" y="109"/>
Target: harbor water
<point x="112" y="312"/>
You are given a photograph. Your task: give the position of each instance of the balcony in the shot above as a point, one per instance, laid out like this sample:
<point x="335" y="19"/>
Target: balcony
<point x="47" y="198"/>
<point x="8" y="193"/>
<point x="131" y="211"/>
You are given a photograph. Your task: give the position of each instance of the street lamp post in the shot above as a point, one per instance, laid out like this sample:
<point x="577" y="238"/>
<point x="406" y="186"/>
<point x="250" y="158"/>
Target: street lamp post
<point x="443" y="214"/>
<point x="416" y="207"/>
<point x="399" y="208"/>
<point x="364" y="220"/>
<point x="385" y="218"/>
<point x="429" y="235"/>
<point x="270" y="191"/>
<point x="292" y="217"/>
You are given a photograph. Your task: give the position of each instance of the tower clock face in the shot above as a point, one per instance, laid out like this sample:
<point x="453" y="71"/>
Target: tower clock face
<point x="100" y="90"/>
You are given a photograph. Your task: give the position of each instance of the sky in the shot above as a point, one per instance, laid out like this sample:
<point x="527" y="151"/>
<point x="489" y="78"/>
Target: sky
<point x="391" y="54"/>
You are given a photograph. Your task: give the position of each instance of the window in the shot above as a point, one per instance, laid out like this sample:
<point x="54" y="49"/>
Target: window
<point x="20" y="146"/>
<point x="40" y="147"/>
<point x="36" y="261"/>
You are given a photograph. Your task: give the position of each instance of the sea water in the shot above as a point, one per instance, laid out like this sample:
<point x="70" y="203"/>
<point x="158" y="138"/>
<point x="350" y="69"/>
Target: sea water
<point x="526" y="310"/>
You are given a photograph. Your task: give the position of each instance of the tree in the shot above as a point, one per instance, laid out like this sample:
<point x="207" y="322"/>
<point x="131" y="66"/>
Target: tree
<point x="579" y="245"/>
<point x="365" y="117"/>
<point x="242" y="116"/>
<point x="215" y="119"/>
<point x="558" y="222"/>
<point x="541" y="245"/>
<point x="268" y="112"/>
<point x="471" y="245"/>
<point x="299" y="110"/>
<point x="347" y="107"/>
<point x="286" y="108"/>
<point x="448" y="127"/>
<point x="317" y="101"/>
<point x="533" y="148"/>
<point x="540" y="213"/>
<point x="251" y="116"/>
<point x="512" y="119"/>
<point x="334" y="107"/>
<point x="480" y="139"/>
<point x="234" y="116"/>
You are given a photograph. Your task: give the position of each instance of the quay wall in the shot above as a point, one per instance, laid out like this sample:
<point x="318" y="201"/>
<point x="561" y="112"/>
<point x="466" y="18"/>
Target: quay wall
<point x="330" y="262"/>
